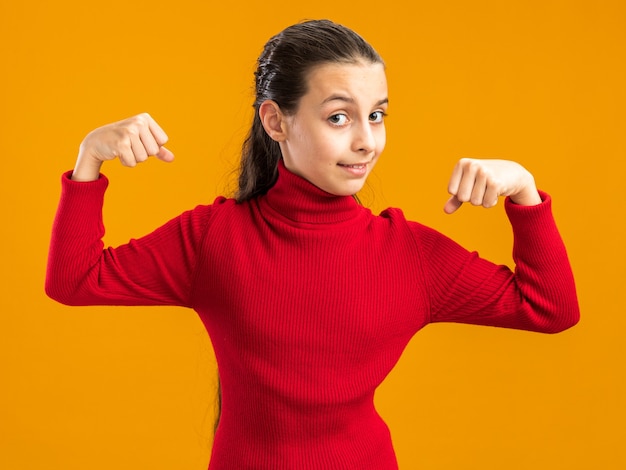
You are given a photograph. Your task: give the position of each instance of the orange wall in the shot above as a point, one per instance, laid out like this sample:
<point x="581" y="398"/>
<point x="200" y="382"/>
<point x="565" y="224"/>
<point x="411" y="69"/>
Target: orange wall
<point x="538" y="81"/>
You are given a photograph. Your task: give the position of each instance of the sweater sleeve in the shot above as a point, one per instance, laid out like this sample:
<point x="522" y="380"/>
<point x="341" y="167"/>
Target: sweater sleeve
<point x="156" y="269"/>
<point x="539" y="295"/>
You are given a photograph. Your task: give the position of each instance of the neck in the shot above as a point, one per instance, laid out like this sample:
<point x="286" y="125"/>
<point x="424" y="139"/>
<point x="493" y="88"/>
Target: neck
<point x="300" y="201"/>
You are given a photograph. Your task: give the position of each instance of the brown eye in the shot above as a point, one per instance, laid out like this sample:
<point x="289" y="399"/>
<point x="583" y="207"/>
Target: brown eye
<point x="377" y="116"/>
<point x="338" y="119"/>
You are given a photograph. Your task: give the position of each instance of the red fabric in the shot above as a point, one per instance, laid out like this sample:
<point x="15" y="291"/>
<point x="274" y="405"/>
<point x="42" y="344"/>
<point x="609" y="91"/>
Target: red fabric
<point x="309" y="300"/>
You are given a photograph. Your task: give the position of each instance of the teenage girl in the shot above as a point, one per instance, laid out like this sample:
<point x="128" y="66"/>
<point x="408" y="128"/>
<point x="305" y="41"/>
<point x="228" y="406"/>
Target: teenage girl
<point x="309" y="298"/>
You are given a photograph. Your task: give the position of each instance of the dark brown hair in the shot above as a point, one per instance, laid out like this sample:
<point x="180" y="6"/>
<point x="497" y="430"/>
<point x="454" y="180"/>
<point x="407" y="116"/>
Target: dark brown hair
<point x="281" y="76"/>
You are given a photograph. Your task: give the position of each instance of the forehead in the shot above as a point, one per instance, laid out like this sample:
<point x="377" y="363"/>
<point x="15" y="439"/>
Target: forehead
<point x="362" y="81"/>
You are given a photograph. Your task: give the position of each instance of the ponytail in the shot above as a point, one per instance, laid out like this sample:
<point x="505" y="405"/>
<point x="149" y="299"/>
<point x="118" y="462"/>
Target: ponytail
<point x="259" y="162"/>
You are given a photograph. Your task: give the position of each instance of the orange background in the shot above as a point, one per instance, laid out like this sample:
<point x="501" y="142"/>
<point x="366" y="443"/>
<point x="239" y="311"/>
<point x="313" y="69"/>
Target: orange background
<point x="541" y="82"/>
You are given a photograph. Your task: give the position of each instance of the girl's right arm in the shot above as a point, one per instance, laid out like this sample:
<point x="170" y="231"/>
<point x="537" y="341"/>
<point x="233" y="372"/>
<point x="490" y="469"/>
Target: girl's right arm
<point x="153" y="270"/>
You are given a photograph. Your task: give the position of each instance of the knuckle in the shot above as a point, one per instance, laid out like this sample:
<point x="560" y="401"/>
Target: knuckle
<point x="124" y="134"/>
<point x="476" y="166"/>
<point x="143" y="119"/>
<point x="140" y="120"/>
<point x="468" y="163"/>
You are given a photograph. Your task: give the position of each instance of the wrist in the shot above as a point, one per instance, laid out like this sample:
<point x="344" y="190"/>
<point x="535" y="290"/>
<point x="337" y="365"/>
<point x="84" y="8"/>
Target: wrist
<point x="86" y="169"/>
<point x="529" y="196"/>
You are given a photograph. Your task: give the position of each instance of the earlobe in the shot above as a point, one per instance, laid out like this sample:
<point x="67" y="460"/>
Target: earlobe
<point x="272" y="119"/>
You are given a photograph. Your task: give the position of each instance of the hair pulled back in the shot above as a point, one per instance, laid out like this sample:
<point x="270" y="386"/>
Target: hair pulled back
<point x="281" y="76"/>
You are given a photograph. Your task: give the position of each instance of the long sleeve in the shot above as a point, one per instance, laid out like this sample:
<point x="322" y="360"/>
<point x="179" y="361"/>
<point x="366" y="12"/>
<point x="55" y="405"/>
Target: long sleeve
<point x="153" y="270"/>
<point x="310" y="301"/>
<point x="539" y="295"/>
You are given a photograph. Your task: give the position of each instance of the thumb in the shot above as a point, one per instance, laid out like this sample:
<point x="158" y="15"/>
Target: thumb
<point x="452" y="205"/>
<point x="164" y="155"/>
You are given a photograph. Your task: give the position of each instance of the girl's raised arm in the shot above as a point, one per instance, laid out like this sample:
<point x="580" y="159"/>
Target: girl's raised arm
<point x="153" y="270"/>
<point x="540" y="294"/>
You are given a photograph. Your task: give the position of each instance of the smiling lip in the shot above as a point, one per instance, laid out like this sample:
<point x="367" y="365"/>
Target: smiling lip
<point x="356" y="169"/>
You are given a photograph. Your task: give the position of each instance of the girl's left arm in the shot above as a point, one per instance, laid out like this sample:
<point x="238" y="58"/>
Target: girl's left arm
<point x="539" y="294"/>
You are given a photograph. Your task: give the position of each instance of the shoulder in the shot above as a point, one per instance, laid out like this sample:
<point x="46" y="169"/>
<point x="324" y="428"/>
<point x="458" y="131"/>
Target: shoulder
<point x="395" y="217"/>
<point x="197" y="220"/>
<point x="223" y="214"/>
<point x="202" y="214"/>
<point x="423" y="237"/>
<point x="398" y="225"/>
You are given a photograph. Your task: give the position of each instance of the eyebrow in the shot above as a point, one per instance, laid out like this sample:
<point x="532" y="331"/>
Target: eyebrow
<point x="349" y="99"/>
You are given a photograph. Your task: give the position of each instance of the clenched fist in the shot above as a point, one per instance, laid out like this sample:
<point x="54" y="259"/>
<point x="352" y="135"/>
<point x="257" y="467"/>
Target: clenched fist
<point x="482" y="182"/>
<point x="132" y="140"/>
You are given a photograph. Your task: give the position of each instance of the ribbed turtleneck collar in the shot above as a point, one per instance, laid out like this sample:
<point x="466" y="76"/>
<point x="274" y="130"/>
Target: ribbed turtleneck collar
<point x="298" y="200"/>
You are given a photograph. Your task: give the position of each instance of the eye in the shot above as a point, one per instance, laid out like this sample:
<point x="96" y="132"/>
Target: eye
<point x="338" y="119"/>
<point x="377" y="116"/>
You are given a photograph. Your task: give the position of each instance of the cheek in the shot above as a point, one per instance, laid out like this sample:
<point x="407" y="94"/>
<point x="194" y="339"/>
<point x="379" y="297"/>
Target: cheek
<point x="381" y="140"/>
<point x="300" y="146"/>
<point x="321" y="144"/>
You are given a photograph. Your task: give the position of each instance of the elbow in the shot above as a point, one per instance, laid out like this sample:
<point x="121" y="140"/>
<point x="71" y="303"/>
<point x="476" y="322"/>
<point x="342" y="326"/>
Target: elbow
<point x="566" y="319"/>
<point x="56" y="293"/>
<point x="60" y="291"/>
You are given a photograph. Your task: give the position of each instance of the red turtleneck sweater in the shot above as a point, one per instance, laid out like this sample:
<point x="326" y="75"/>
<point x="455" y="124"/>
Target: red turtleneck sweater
<point x="309" y="300"/>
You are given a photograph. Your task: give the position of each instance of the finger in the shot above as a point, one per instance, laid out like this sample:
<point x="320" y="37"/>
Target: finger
<point x="157" y="132"/>
<point x="466" y="184"/>
<point x="455" y="179"/>
<point x="138" y="148"/>
<point x="149" y="142"/>
<point x="125" y="154"/>
<point x="165" y="155"/>
<point x="452" y="205"/>
<point x="478" y="190"/>
<point x="491" y="196"/>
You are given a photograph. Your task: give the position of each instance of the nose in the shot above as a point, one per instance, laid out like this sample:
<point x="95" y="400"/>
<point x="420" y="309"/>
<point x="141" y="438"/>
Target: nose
<point x="364" y="140"/>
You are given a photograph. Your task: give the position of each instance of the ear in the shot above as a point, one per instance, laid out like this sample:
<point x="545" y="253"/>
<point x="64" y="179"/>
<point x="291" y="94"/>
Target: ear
<point x="273" y="120"/>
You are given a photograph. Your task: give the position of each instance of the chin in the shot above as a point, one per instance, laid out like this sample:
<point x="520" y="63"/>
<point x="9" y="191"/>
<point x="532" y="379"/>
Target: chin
<point x="350" y="190"/>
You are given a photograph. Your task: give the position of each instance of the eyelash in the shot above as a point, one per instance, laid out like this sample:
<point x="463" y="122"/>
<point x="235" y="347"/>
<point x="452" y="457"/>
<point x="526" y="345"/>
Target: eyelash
<point x="382" y="114"/>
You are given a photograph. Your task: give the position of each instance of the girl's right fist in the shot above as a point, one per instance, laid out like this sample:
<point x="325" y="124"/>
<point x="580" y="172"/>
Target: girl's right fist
<point x="131" y="140"/>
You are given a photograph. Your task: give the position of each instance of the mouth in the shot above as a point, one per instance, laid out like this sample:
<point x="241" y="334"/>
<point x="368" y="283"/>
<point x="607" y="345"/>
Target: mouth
<point x="356" y="166"/>
<point x="356" y="169"/>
